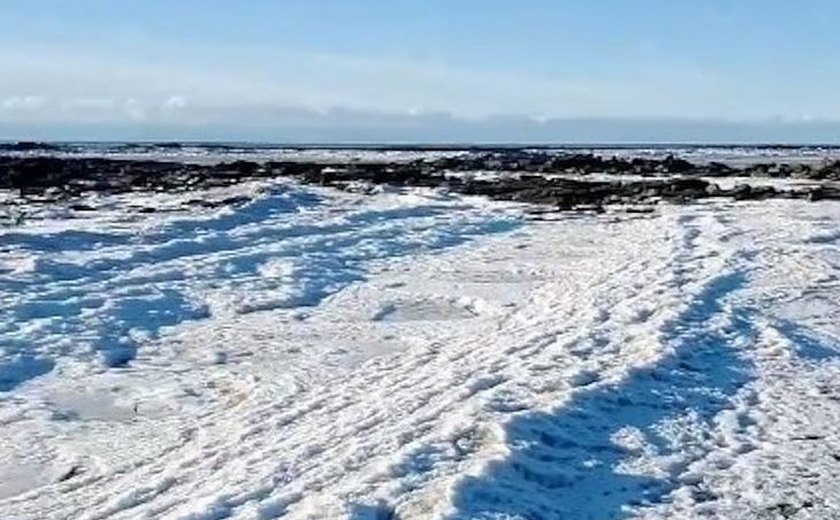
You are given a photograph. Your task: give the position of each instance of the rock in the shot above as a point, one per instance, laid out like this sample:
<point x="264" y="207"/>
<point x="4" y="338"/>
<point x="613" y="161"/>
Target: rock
<point x="47" y="179"/>
<point x="823" y="193"/>
<point x="74" y="471"/>
<point x="740" y="191"/>
<point x="26" y="146"/>
<point x="672" y="164"/>
<point x="716" y="169"/>
<point x="748" y="192"/>
<point x="830" y="171"/>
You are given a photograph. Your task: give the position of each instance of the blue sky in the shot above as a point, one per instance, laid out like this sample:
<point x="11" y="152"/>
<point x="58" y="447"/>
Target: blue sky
<point x="252" y="68"/>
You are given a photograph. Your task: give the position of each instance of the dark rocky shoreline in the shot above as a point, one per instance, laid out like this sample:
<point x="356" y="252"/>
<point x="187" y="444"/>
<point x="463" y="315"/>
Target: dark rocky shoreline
<point x="539" y="177"/>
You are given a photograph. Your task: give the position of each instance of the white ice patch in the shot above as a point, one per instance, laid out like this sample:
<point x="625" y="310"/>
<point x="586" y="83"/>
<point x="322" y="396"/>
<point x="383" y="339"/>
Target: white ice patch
<point x="402" y="358"/>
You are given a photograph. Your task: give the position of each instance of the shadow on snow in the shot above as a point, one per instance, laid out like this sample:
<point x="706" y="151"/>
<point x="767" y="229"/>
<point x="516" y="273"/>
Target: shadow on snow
<point x="113" y="296"/>
<point x="564" y="465"/>
<point x="808" y="344"/>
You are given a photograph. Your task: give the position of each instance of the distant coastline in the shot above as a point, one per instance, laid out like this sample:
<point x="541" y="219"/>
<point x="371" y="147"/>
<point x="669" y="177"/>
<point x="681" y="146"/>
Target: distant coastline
<point x="46" y="145"/>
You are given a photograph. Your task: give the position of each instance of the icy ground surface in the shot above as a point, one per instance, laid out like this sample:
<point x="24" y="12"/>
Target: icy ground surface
<point x="214" y="153"/>
<point x="414" y="355"/>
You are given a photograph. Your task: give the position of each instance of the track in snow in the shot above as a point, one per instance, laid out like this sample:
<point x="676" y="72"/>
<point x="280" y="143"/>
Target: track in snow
<point x="591" y="367"/>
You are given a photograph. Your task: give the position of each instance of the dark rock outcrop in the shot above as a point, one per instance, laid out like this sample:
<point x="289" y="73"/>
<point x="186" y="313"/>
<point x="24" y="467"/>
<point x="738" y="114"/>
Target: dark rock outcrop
<point x="533" y="177"/>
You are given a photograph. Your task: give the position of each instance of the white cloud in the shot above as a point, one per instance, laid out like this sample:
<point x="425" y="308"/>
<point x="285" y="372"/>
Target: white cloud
<point x="323" y="82"/>
<point x="175" y="84"/>
<point x="175" y="103"/>
<point x="14" y="103"/>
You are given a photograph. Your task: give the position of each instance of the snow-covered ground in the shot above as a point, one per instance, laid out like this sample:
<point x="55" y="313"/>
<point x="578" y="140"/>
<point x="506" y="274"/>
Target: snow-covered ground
<point x="417" y="355"/>
<point x="209" y="153"/>
<point x="204" y="154"/>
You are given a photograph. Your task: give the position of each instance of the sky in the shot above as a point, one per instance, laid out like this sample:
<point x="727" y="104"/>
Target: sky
<point x="420" y="70"/>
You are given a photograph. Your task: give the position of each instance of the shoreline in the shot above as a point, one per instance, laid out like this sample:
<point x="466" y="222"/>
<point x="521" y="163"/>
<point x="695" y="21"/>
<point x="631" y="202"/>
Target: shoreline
<point x="559" y="181"/>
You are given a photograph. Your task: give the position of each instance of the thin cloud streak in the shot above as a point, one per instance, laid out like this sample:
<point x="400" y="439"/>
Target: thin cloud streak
<point x="248" y="77"/>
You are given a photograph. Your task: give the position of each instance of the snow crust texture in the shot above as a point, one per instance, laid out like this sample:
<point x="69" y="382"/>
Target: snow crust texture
<point x="414" y="355"/>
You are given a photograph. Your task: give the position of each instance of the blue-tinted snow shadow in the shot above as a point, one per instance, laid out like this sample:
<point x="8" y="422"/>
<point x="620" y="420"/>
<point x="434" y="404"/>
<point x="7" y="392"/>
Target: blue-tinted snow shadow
<point x="22" y="368"/>
<point x="149" y="313"/>
<point x="68" y="240"/>
<point x="563" y="465"/>
<point x="150" y="307"/>
<point x="807" y="343"/>
<point x="328" y="257"/>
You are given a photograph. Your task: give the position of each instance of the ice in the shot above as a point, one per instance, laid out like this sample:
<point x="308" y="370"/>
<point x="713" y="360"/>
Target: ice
<point x="410" y="354"/>
<point x="211" y="153"/>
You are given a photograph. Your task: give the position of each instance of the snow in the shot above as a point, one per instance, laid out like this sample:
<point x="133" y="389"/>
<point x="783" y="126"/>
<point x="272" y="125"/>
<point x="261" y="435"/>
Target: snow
<point x="208" y="154"/>
<point x="412" y="354"/>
